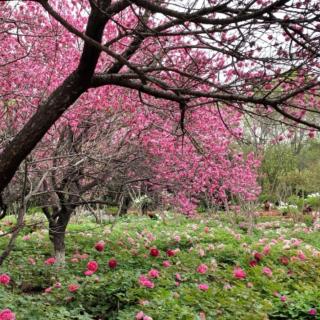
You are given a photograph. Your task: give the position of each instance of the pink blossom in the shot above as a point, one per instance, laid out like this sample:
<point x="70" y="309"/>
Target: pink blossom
<point x="57" y="285"/>
<point x="203" y="287"/>
<point x="296" y="242"/>
<point x="145" y="282"/>
<point x="48" y="290"/>
<point x="202" y="268"/>
<point x="266" y="250"/>
<point x="50" y="261"/>
<point x="239" y="273"/>
<point x="312" y="312"/>
<point x="301" y="255"/>
<point x="4" y="279"/>
<point x="253" y="263"/>
<point x="154" y="252"/>
<point x="283" y="298"/>
<point x="73" y="287"/>
<point x="153" y="273"/>
<point x="170" y="253"/>
<point x="147" y="318"/>
<point x="284" y="260"/>
<point x="99" y="246"/>
<point x="267" y="271"/>
<point x="258" y="256"/>
<point x="92" y="266"/>
<point x="178" y="277"/>
<point x="166" y="263"/>
<point x="139" y="315"/>
<point x="88" y="273"/>
<point x="112" y="263"/>
<point x="7" y="314"/>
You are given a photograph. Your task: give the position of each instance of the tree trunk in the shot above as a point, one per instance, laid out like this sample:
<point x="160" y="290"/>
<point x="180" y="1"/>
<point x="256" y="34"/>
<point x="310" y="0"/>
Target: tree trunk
<point x="57" y="231"/>
<point x="59" y="248"/>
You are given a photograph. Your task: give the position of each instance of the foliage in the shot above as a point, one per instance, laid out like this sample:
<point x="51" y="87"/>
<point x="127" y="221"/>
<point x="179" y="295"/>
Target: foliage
<point x="205" y="251"/>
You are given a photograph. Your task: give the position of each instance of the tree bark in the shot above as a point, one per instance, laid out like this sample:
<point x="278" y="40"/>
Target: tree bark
<point x="57" y="231"/>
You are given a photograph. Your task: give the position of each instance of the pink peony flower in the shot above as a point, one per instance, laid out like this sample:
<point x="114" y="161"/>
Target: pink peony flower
<point x="48" y="290"/>
<point x="202" y="268"/>
<point x="267" y="271"/>
<point x="301" y="256"/>
<point x="145" y="282"/>
<point x="283" y="298"/>
<point x="266" y="250"/>
<point x="154" y="252"/>
<point x="170" y="253"/>
<point x="73" y="287"/>
<point x="112" y="263"/>
<point x="92" y="266"/>
<point x="57" y="285"/>
<point x="239" y="273"/>
<point x="7" y="314"/>
<point x="178" y="277"/>
<point x="153" y="273"/>
<point x="50" y="261"/>
<point x="258" y="256"/>
<point x="88" y="273"/>
<point x="99" y="246"/>
<point x="139" y="315"/>
<point x="166" y="263"/>
<point x="203" y="287"/>
<point x="312" y="312"/>
<point x="253" y="263"/>
<point x="284" y="260"/>
<point x="296" y="242"/>
<point x="147" y="318"/>
<point x="4" y="279"/>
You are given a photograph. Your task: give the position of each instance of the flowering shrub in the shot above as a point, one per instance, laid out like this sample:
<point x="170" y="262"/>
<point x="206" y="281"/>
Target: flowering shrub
<point x="216" y="272"/>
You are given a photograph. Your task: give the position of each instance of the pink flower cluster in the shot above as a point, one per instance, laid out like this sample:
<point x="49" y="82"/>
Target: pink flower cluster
<point x="203" y="287"/>
<point x="4" y="279"/>
<point x="202" y="268"/>
<point x="7" y="314"/>
<point x="239" y="273"/>
<point x="92" y="267"/>
<point x="50" y="261"/>
<point x="99" y="246"/>
<point x="145" y="282"/>
<point x="141" y="316"/>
